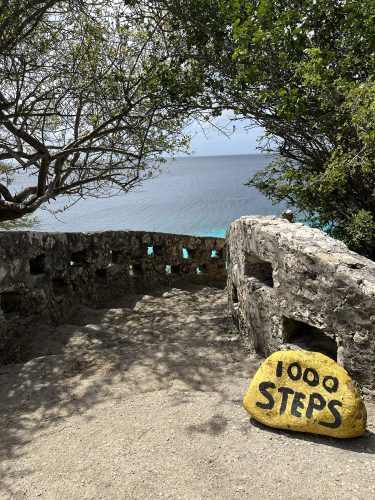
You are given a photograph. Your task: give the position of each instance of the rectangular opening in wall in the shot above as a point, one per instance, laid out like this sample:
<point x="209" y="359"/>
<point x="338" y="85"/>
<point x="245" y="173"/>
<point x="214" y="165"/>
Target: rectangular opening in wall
<point x="158" y="250"/>
<point x="217" y="253"/>
<point x="11" y="303"/>
<point x="116" y="256"/>
<point x="185" y="253"/>
<point x="137" y="269"/>
<point x="101" y="276"/>
<point x="308" y="337"/>
<point x="201" y="269"/>
<point x="258" y="269"/>
<point x="37" y="264"/>
<point x="59" y="287"/>
<point x="79" y="258"/>
<point x="234" y="294"/>
<point x="192" y="253"/>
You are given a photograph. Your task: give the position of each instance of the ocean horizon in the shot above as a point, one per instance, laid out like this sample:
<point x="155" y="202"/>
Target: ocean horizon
<point x="198" y="196"/>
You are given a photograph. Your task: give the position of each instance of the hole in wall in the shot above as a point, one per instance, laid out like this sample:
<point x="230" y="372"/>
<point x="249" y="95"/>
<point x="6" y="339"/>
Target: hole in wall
<point x="101" y="276"/>
<point x="217" y="253"/>
<point x="11" y="303"/>
<point x="258" y="269"/>
<point x="116" y="256"/>
<point x="59" y="286"/>
<point x="191" y="253"/>
<point x="308" y="337"/>
<point x="185" y="253"/>
<point x="234" y="294"/>
<point x="37" y="264"/>
<point x="356" y="265"/>
<point x="79" y="258"/>
<point x="135" y="269"/>
<point x="158" y="250"/>
<point x="172" y="268"/>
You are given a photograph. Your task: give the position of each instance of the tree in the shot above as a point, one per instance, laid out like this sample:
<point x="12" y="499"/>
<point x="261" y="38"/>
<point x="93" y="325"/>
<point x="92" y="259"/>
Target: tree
<point x="303" y="70"/>
<point x="92" y="95"/>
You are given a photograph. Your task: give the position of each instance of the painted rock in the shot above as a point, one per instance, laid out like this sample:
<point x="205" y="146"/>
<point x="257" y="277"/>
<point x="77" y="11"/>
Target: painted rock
<point x="306" y="392"/>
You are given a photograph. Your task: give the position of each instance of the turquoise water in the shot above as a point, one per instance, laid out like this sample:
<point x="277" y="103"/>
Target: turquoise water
<point x="200" y="196"/>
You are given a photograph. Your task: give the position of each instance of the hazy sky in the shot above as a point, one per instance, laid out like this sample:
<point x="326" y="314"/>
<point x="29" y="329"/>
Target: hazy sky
<point x="211" y="142"/>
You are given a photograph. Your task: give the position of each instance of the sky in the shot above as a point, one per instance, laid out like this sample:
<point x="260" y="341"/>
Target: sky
<point x="210" y="142"/>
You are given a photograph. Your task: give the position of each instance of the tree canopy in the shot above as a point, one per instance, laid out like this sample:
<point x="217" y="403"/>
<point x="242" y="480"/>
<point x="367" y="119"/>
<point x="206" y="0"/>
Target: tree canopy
<point x="92" y="95"/>
<point x="303" y="70"/>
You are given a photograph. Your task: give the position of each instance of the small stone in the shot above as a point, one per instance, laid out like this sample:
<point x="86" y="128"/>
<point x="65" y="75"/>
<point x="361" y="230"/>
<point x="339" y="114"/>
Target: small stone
<point x="306" y="392"/>
<point x="360" y="338"/>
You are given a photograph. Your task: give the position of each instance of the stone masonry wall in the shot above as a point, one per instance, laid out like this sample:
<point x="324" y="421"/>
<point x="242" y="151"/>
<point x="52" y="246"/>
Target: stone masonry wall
<point x="292" y="287"/>
<point x="43" y="275"/>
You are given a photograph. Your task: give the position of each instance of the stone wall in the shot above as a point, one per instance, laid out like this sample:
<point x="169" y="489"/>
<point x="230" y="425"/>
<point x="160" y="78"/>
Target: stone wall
<point x="293" y="287"/>
<point x="43" y="275"/>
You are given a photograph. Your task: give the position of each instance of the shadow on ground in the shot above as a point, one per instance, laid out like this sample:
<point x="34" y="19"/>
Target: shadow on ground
<point x="168" y="338"/>
<point x="363" y="444"/>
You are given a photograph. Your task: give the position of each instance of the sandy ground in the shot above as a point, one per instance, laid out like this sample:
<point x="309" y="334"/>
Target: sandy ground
<point x="142" y="399"/>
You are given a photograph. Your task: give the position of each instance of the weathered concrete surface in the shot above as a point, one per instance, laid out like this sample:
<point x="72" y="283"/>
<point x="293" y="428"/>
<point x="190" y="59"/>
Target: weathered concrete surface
<point x="42" y="275"/>
<point x="293" y="287"/>
<point x="142" y="399"/>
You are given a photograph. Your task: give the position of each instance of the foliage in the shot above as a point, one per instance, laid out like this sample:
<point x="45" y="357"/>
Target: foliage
<point x="304" y="70"/>
<point x="26" y="222"/>
<point x="92" y="95"/>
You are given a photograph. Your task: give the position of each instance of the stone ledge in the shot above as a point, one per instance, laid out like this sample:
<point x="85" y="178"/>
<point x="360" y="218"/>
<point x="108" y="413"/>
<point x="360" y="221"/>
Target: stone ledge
<point x="44" y="275"/>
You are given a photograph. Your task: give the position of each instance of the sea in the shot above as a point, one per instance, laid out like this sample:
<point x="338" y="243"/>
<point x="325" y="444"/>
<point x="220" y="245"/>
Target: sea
<point x="197" y="196"/>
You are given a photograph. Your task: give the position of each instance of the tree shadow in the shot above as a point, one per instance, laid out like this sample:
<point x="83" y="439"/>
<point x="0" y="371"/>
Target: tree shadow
<point x="215" y="426"/>
<point x="136" y="344"/>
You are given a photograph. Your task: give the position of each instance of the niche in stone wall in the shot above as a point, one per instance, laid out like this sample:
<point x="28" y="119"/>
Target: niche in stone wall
<point x="258" y="269"/>
<point x="135" y="269"/>
<point x="59" y="286"/>
<point x="38" y="264"/>
<point x="158" y="250"/>
<point x="155" y="250"/>
<point x="11" y="303"/>
<point x="192" y="253"/>
<point x="308" y="337"/>
<point x="217" y="253"/>
<point x="79" y="259"/>
<point x="117" y="256"/>
<point x="172" y="268"/>
<point x="101" y="276"/>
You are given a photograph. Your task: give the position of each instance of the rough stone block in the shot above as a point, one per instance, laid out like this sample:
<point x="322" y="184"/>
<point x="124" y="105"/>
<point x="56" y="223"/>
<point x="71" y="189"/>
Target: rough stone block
<point x="306" y="392"/>
<point x="294" y="287"/>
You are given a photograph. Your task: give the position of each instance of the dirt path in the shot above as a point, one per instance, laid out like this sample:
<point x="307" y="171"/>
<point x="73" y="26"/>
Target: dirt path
<point x="142" y="400"/>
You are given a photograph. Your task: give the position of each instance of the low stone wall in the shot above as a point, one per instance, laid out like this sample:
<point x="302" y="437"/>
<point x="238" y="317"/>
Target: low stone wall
<point x="293" y="287"/>
<point x="43" y="275"/>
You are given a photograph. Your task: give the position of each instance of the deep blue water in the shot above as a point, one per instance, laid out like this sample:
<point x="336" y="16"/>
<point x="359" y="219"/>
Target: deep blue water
<point x="195" y="195"/>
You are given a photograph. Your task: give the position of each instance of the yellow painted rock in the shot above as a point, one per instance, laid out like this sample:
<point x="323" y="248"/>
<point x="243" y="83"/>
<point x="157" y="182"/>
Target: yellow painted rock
<point x="306" y="392"/>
